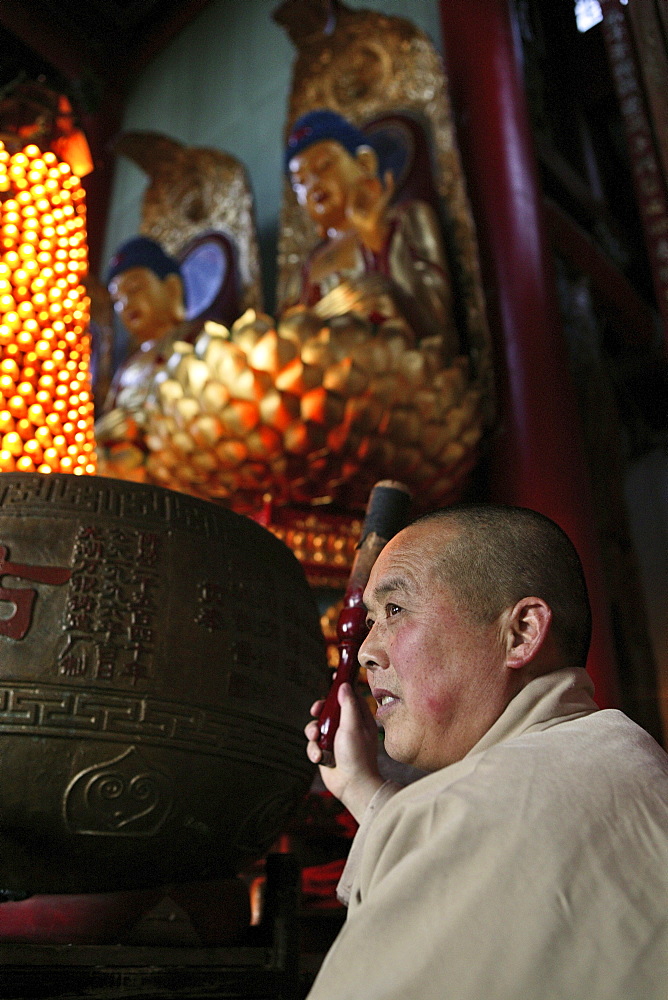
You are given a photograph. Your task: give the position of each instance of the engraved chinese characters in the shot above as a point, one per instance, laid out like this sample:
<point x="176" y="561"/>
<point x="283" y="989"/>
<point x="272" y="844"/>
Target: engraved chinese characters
<point x="151" y="703"/>
<point x="111" y="604"/>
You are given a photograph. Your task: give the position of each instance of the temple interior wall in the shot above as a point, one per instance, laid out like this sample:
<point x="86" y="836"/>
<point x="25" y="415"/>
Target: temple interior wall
<point x="224" y="83"/>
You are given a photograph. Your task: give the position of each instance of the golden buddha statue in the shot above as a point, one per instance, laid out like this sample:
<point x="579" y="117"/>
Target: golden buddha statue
<point x="361" y="375"/>
<point x="146" y="290"/>
<point x="364" y="373"/>
<point x="383" y="74"/>
<point x="378" y="259"/>
<point x="199" y="207"/>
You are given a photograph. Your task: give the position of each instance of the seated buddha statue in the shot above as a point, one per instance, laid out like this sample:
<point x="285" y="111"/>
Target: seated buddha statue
<point x="146" y="290"/>
<point x="381" y="258"/>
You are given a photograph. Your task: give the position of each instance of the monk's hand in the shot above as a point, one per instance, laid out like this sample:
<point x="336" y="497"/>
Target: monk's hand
<point x="355" y="778"/>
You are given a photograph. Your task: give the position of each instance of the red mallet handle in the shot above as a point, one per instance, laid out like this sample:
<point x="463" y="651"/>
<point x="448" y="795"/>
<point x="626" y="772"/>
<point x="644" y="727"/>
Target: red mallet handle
<point x="386" y="514"/>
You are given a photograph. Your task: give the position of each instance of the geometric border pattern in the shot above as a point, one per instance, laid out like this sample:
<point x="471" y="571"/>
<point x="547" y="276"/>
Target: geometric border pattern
<point x="52" y="710"/>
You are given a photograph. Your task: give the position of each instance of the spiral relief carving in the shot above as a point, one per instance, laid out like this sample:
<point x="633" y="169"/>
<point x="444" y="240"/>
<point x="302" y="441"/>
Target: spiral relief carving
<point x="119" y="797"/>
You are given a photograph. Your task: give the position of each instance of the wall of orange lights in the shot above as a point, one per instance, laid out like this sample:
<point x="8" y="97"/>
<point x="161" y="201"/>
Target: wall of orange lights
<point x="46" y="404"/>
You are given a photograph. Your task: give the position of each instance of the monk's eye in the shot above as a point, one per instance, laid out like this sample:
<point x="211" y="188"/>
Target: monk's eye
<point x="392" y="609"/>
<point x="369" y="623"/>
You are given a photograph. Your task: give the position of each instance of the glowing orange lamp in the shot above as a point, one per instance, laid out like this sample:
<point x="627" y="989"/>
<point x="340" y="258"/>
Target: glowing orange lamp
<point x="46" y="403"/>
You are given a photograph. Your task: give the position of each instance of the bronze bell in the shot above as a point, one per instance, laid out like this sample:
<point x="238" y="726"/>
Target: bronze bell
<point x="158" y="657"/>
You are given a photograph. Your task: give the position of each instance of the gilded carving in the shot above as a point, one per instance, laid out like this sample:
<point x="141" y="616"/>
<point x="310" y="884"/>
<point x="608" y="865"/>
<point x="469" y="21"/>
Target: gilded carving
<point x="363" y="65"/>
<point x="385" y="373"/>
<point x="317" y="405"/>
<point x="193" y="191"/>
<point x="312" y="412"/>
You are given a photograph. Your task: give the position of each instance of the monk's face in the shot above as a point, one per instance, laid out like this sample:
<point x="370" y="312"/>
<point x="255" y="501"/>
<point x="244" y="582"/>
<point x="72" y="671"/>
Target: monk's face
<point x="148" y="306"/>
<point x="324" y="177"/>
<point x="438" y="677"/>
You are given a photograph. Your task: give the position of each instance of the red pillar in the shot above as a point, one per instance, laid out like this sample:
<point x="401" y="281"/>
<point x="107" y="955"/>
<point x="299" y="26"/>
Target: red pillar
<point x="538" y="460"/>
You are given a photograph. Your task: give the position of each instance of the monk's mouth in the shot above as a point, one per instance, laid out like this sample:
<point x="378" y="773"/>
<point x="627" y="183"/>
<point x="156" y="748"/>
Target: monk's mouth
<point x="385" y="702"/>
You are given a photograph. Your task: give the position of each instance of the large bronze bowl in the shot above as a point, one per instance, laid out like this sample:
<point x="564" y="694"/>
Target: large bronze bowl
<point x="158" y="656"/>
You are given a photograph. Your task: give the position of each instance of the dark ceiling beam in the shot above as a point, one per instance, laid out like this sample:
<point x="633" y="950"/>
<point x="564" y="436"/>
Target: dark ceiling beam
<point x="74" y="57"/>
<point x="49" y="42"/>
<point x="54" y="46"/>
<point x="162" y="34"/>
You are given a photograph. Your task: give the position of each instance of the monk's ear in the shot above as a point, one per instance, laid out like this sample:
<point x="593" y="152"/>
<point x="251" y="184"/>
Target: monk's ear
<point x="526" y="628"/>
<point x="367" y="160"/>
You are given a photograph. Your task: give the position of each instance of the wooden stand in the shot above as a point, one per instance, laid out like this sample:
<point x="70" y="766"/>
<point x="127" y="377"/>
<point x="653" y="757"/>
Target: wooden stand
<point x="265" y="967"/>
<point x="131" y="973"/>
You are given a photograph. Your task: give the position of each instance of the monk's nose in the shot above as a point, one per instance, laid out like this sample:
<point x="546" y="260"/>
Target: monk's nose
<point x="371" y="655"/>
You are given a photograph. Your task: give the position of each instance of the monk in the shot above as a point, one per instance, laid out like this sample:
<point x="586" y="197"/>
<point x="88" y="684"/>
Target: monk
<point x="531" y="861"/>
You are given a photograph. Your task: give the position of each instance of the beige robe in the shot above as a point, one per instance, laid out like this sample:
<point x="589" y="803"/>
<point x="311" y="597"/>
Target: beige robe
<point x="536" y="868"/>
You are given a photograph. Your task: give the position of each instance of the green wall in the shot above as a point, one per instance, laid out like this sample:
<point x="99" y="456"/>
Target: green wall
<point x="224" y="83"/>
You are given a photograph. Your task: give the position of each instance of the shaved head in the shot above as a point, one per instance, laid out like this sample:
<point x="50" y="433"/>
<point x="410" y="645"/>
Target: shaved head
<point x="492" y="556"/>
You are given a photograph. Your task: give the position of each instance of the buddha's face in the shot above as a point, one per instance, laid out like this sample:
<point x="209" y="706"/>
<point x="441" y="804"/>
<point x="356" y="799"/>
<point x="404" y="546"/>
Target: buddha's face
<point x="324" y="177"/>
<point x="147" y="305"/>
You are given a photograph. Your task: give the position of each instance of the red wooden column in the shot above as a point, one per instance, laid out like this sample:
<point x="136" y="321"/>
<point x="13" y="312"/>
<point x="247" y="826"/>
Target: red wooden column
<point x="538" y="459"/>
